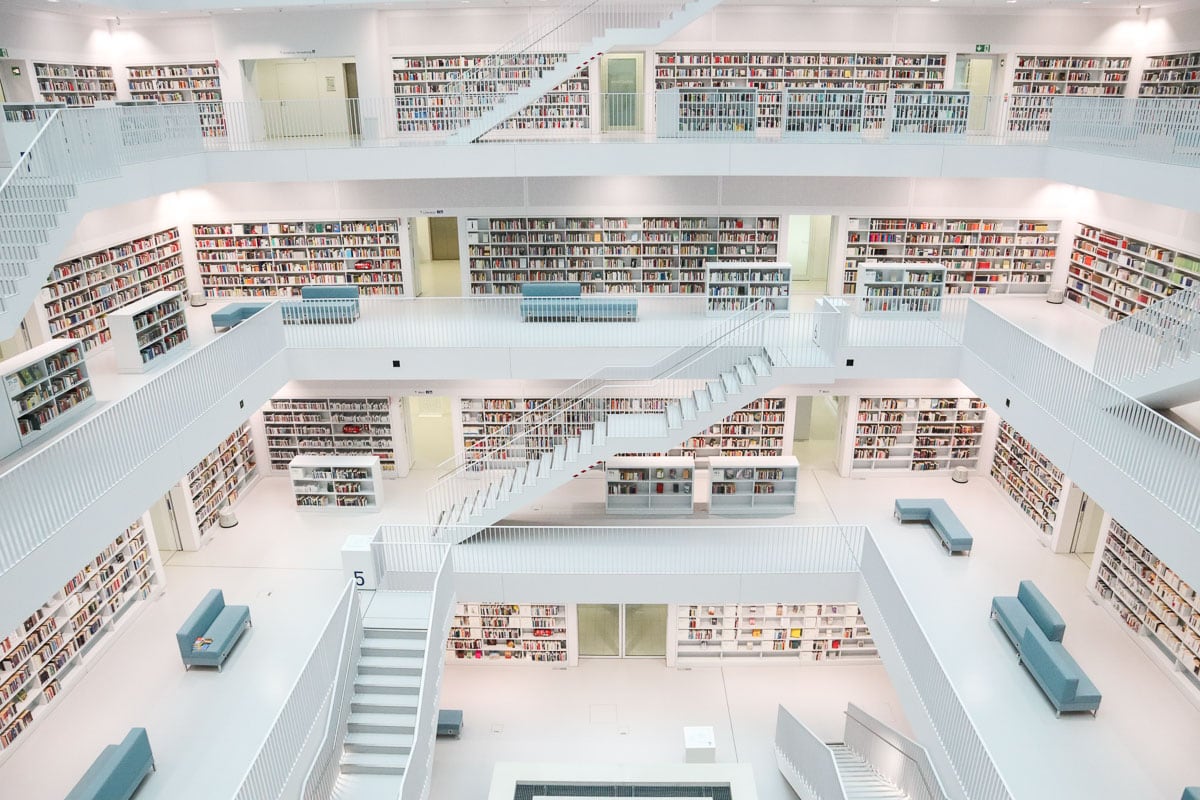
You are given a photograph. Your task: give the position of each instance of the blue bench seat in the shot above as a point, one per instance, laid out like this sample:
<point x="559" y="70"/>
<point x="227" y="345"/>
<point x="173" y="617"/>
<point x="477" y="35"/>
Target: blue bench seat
<point x="322" y="303"/>
<point x="954" y="535"/>
<point x="1029" y="609"/>
<point x="235" y="313"/>
<point x="564" y="301"/>
<point x="118" y="771"/>
<point x="214" y="620"/>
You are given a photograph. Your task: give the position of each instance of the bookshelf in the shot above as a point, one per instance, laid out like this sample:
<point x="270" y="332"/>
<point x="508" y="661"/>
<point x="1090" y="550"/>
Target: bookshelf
<point x="612" y="255"/>
<point x="1151" y="600"/>
<point x="50" y="651"/>
<point x="425" y="87"/>
<point x="823" y="111"/>
<point x="772" y="74"/>
<point x="918" y="434"/>
<point x="1116" y="275"/>
<point x="275" y="259"/>
<point x="808" y="632"/>
<point x="198" y="83"/>
<point x="1037" y="80"/>
<point x="756" y="429"/>
<point x="527" y="633"/>
<point x="79" y="293"/>
<point x="749" y="487"/>
<point x="29" y="112"/>
<point x="215" y="483"/>
<point x="732" y="286"/>
<point x="900" y="288"/>
<point x="338" y="426"/>
<point x="1171" y="75"/>
<point x="930" y="111"/>
<point x="149" y="332"/>
<point x="74" y="84"/>
<point x="650" y="485"/>
<point x="1029" y="478"/>
<point x="48" y="387"/>
<point x="703" y="111"/>
<point x="336" y="483"/>
<point x="981" y="256"/>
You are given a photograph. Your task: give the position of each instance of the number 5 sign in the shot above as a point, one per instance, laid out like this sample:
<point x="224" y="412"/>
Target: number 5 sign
<point x="358" y="564"/>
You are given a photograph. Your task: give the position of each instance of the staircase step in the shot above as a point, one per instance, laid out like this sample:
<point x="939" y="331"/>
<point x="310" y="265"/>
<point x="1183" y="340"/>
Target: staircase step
<point x="703" y="400"/>
<point x="397" y="743"/>
<point x="418" y="635"/>
<point x="745" y="374"/>
<point x="387" y="684"/>
<point x="572" y="450"/>
<point x="716" y="392"/>
<point x="374" y="763"/>
<point x="760" y="366"/>
<point x="674" y="415"/>
<point x="390" y="665"/>
<point x="687" y="406"/>
<point x="599" y="433"/>
<point x="730" y="383"/>
<point x="372" y="722"/>
<point x="558" y="458"/>
<point x="387" y="704"/>
<point x="776" y="356"/>
<point x="585" y="441"/>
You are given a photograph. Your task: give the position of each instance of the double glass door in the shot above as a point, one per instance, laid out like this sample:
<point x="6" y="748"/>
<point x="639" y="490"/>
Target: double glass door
<point x="622" y="630"/>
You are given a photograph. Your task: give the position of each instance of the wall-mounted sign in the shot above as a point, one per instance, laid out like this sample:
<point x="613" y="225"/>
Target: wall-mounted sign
<point x="312" y="52"/>
<point x="983" y="48"/>
<point x="3" y="52"/>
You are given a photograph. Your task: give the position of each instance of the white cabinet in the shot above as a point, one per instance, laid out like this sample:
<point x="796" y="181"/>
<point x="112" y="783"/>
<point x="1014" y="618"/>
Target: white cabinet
<point x="808" y="632"/>
<point x="753" y="487"/>
<point x="898" y="288"/>
<point x="734" y="286"/>
<point x="650" y="485"/>
<point x="523" y="633"/>
<point x="149" y="332"/>
<point x="47" y="387"/>
<point x="337" y="483"/>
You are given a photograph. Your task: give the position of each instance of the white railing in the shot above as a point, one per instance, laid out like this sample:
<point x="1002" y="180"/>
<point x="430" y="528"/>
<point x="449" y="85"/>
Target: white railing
<point x="44" y="492"/>
<point x="282" y="748"/>
<point x="824" y="113"/>
<point x="1149" y="128"/>
<point x="929" y="112"/>
<point x="805" y="761"/>
<point x="319" y="783"/>
<point x="893" y="622"/>
<point x="898" y="759"/>
<point x="726" y="113"/>
<point x="1165" y="334"/>
<point x="419" y="772"/>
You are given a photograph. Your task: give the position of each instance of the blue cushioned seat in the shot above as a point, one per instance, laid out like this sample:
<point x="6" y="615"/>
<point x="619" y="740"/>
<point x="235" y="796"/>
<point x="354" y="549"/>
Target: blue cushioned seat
<point x="118" y="771"/>
<point x="954" y="535"/>
<point x="1059" y="676"/>
<point x="212" y="619"/>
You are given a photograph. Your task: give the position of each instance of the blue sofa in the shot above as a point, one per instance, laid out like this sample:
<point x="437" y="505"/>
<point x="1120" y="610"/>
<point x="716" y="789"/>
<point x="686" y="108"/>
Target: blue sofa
<point x="564" y="301"/>
<point x="1037" y="629"/>
<point x="214" y="620"/>
<point x="235" y="313"/>
<point x="322" y="303"/>
<point x="118" y="771"/>
<point x="1191" y="793"/>
<point x="954" y="535"/>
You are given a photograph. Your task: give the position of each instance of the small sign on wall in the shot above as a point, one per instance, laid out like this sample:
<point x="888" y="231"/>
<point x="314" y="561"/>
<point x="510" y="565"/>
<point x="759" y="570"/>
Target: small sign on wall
<point x="330" y="84"/>
<point x="983" y="48"/>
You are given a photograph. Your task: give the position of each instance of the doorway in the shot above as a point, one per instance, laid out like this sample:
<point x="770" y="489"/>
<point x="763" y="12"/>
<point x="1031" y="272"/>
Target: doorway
<point x="305" y="97"/>
<point x="808" y="245"/>
<point x="436" y="256"/>
<point x="165" y="522"/>
<point x="621" y="88"/>
<point x="432" y="428"/>
<point x="622" y="630"/>
<point x="816" y="433"/>
<point x="1082" y="523"/>
<point x="977" y="74"/>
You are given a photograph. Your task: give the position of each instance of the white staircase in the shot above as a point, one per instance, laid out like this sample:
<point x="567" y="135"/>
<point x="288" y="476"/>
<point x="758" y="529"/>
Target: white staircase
<point x="860" y="780"/>
<point x="583" y="31"/>
<point x="1154" y="354"/>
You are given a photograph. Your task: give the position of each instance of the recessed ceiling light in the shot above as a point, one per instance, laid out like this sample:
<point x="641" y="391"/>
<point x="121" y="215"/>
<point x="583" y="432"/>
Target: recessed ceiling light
<point x="51" y="1"/>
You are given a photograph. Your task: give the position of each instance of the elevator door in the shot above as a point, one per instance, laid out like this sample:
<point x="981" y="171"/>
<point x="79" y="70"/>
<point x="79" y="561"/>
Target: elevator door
<point x="633" y="630"/>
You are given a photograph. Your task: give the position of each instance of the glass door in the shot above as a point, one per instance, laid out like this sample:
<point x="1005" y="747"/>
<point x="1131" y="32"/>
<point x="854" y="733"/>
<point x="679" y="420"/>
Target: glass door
<point x="599" y="630"/>
<point x="645" y="631"/>
<point x="622" y="631"/>
<point x="621" y="92"/>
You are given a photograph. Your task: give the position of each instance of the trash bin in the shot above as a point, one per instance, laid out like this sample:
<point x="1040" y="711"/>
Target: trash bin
<point x="959" y="475"/>
<point x="197" y="299"/>
<point x="227" y="519"/>
<point x="1054" y="296"/>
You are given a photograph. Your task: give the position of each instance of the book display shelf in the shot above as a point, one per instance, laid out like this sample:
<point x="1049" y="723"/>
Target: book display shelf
<point x="29" y="112"/>
<point x="703" y="111"/>
<point x="981" y="256"/>
<point x="361" y="426"/>
<point x="808" y="632"/>
<point x="198" y="83"/>
<point x="1116" y="275"/>
<point x="756" y="429"/>
<point x="427" y="100"/>
<point x="1037" y="80"/>
<point x="216" y="483"/>
<point x="930" y="111"/>
<point x="1029" y="478"/>
<point x="1152" y="601"/>
<point x="918" y="434"/>
<point x="527" y="633"/>
<point x="74" y="84"/>
<point x="650" y="485"/>
<point x="79" y="293"/>
<point x="337" y="483"/>
<point x="1171" y="75"/>
<point x="149" y="332"/>
<point x="612" y="255"/>
<point x="824" y="111"/>
<point x="900" y="288"/>
<point x="771" y="74"/>
<point x="47" y="388"/>
<point x="734" y="286"/>
<point x="275" y="259"/>
<point x="753" y="487"/>
<point x="48" y="653"/>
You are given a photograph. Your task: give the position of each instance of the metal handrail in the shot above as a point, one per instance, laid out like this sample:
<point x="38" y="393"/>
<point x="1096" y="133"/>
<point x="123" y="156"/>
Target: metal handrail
<point x="867" y="722"/>
<point x="28" y="152"/>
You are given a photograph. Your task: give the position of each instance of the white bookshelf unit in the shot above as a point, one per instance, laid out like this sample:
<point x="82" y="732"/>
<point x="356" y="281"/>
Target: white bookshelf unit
<point x="336" y="483"/>
<point x="918" y="434"/>
<point x="773" y="73"/>
<point x="216" y="483"/>
<point x="1171" y="75"/>
<point x="339" y="426"/>
<point x="149" y="332"/>
<point x="732" y="286"/>
<point x="275" y="259"/>
<point x="74" y="84"/>
<point x="612" y="255"/>
<point x="825" y="112"/>
<point x="52" y="649"/>
<point x="981" y="256"/>
<point x="1152" y="601"/>
<point x="80" y="292"/>
<point x="425" y="86"/>
<point x="1116" y="275"/>
<point x="704" y="111"/>
<point x="808" y="632"/>
<point x="1037" y="80"/>
<point x="527" y="633"/>
<point x="198" y="83"/>
<point x="47" y="388"/>
<point x="753" y="487"/>
<point x="1029" y="478"/>
<point x="900" y="288"/>
<point x="924" y="112"/>
<point x="757" y="429"/>
<point x="650" y="485"/>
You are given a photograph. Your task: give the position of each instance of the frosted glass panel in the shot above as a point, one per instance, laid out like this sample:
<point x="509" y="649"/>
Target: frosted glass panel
<point x="599" y="630"/>
<point x="646" y="630"/>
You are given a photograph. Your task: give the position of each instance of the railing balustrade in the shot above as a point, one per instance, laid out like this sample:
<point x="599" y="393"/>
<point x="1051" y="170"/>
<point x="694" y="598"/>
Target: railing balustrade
<point x="901" y="761"/>
<point x="806" y="762"/>
<point x="1163" y="335"/>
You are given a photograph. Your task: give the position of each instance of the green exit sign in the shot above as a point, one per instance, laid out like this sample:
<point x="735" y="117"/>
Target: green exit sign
<point x="983" y="48"/>
<point x="3" y="52"/>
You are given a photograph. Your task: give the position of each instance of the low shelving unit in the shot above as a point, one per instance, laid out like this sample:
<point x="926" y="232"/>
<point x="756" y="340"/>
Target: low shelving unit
<point x="650" y="485"/>
<point x="808" y="632"/>
<point x="336" y="483"/>
<point x="47" y="387"/>
<point x="900" y="288"/>
<point x="150" y="332"/>
<point x="523" y="633"/>
<point x="753" y="487"/>
<point x="732" y="286"/>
